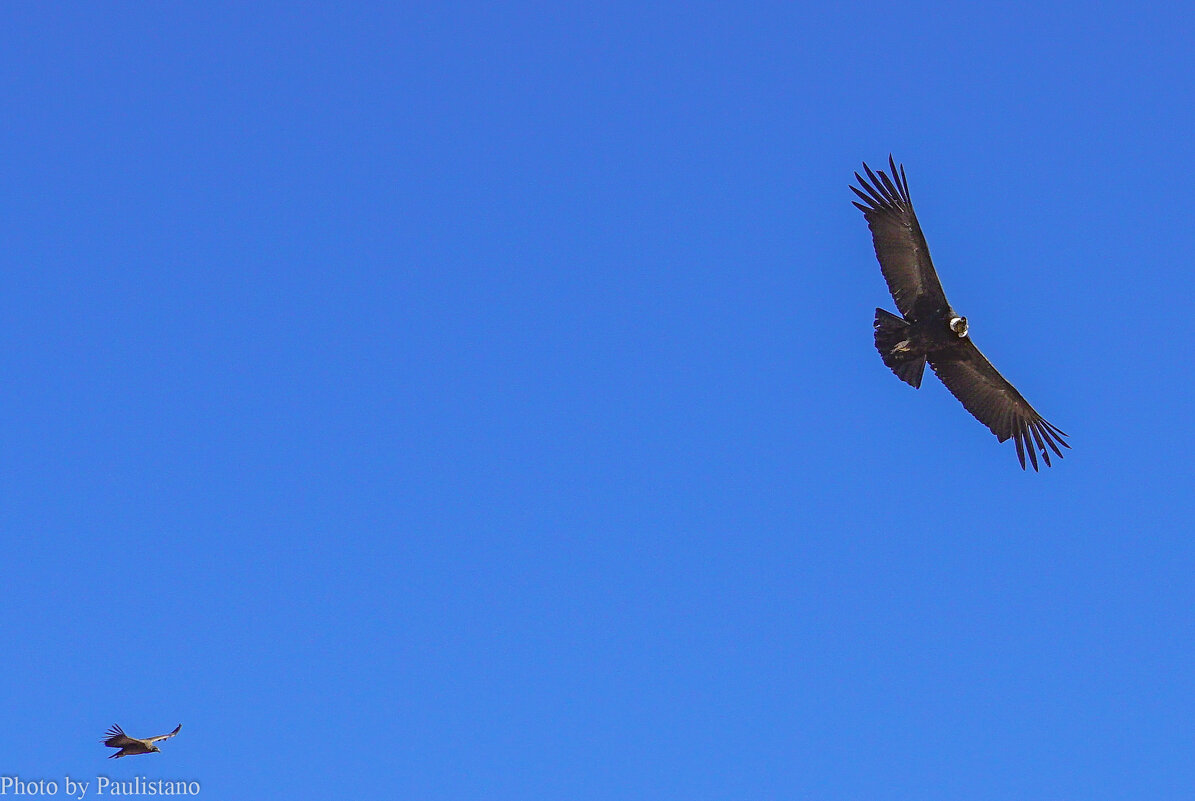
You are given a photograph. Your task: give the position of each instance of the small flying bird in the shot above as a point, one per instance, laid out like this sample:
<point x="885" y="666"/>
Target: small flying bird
<point x="131" y="746"/>
<point x="930" y="330"/>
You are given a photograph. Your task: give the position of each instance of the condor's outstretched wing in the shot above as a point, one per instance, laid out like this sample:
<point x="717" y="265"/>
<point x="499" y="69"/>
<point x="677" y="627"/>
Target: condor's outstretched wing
<point x="164" y="736"/>
<point x="993" y="401"/>
<point x="899" y="244"/>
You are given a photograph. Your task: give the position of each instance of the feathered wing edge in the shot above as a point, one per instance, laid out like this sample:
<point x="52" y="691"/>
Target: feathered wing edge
<point x="993" y="401"/>
<point x="1041" y="430"/>
<point x="884" y="191"/>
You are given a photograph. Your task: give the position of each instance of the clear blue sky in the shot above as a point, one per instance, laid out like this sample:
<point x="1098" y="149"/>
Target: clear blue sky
<point x="460" y="401"/>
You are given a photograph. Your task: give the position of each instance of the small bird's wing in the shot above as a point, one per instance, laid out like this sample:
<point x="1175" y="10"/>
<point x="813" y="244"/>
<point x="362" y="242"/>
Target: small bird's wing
<point x="164" y="736"/>
<point x="899" y="244"/>
<point x="993" y="401"/>
<point x="117" y="738"/>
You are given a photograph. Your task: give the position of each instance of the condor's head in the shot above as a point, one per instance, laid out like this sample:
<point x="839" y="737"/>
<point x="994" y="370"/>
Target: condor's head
<point x="959" y="326"/>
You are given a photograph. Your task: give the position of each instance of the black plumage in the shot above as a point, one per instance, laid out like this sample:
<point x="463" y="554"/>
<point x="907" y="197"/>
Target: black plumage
<point x="930" y="330"/>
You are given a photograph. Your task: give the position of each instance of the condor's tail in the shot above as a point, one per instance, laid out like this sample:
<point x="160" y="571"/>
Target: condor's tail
<point x="891" y="332"/>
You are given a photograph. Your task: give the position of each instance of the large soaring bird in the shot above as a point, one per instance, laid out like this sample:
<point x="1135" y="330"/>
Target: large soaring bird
<point x="130" y="746"/>
<point x="930" y="330"/>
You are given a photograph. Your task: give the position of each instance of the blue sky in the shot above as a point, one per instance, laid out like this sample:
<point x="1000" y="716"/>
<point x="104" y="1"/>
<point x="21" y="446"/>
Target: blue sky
<point x="447" y="400"/>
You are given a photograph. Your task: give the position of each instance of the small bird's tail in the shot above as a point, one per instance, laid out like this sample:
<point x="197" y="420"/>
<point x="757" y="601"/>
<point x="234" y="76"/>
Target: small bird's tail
<point x="891" y="332"/>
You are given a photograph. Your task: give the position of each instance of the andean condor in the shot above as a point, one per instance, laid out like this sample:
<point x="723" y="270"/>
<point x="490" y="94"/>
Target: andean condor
<point x="131" y="746"/>
<point x="931" y="330"/>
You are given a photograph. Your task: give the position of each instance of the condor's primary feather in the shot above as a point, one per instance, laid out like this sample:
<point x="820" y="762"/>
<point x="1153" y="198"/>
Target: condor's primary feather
<point x="930" y="330"/>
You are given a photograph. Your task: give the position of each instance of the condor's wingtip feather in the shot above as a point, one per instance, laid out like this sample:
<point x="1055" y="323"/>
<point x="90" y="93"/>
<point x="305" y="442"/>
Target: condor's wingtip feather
<point x="1058" y="433"/>
<point x="1041" y="447"/>
<point x="873" y="197"/>
<point x="904" y="181"/>
<point x="1041" y="434"/>
<point x="892" y="189"/>
<point x="871" y="202"/>
<point x="1051" y="439"/>
<point x="875" y="185"/>
<point x="1029" y="447"/>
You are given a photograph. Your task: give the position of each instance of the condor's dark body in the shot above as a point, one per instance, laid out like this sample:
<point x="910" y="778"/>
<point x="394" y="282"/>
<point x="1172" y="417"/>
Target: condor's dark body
<point x="931" y="331"/>
<point x="906" y="345"/>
